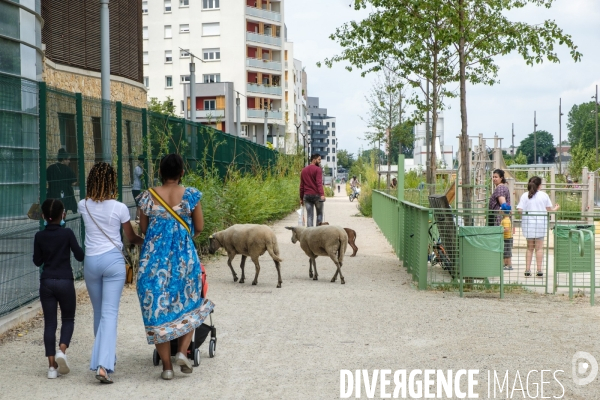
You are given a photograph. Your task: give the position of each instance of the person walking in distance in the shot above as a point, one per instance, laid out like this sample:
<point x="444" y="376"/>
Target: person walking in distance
<point x="52" y="248"/>
<point x="312" y="195"/>
<point x="136" y="187"/>
<point x="104" y="265"/>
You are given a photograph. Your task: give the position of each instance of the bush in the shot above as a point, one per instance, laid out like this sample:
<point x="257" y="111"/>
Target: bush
<point x="328" y="191"/>
<point x="257" y="198"/>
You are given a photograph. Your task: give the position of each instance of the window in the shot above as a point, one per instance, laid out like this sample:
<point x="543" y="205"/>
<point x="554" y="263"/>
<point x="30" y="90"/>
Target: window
<point x="168" y="56"/>
<point x="145" y="32"/>
<point x="184" y="28"/>
<point x="184" y="53"/>
<point x="182" y="106"/>
<point x="244" y="132"/>
<point x="144" y="7"/>
<point x="210" y="4"/>
<point x="332" y="141"/>
<point x="328" y="124"/>
<point x="145" y="57"/>
<point x="328" y="158"/>
<point x="184" y="3"/>
<point x="185" y="79"/>
<point x="333" y="149"/>
<point x="333" y="158"/>
<point x="168" y="81"/>
<point x="333" y="124"/>
<point x="147" y="81"/>
<point x="211" y="78"/>
<point x="210" y="105"/>
<point x="168" y="33"/>
<point x="211" y="54"/>
<point x="332" y="133"/>
<point x="211" y="29"/>
<point x="167" y="6"/>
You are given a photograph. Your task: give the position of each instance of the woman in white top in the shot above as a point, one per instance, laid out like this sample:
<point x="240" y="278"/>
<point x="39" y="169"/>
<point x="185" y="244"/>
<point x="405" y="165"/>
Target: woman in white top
<point x="536" y="205"/>
<point x="104" y="266"/>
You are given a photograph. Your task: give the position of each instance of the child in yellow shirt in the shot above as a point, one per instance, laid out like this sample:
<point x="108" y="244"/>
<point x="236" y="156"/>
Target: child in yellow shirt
<point x="508" y="241"/>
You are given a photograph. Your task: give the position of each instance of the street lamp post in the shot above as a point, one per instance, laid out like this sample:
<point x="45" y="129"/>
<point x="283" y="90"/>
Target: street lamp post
<point x="308" y="143"/>
<point x="266" y="128"/>
<point x="560" y="114"/>
<point x="298" y="125"/>
<point x="596" y="104"/>
<point x="534" y="139"/>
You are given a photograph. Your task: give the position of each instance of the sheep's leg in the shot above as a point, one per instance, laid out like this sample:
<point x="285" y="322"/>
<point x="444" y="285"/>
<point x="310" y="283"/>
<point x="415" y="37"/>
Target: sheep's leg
<point x="338" y="270"/>
<point x="277" y="265"/>
<point x="242" y="265"/>
<point x="314" y="261"/>
<point x="310" y="274"/>
<point x="229" y="260"/>
<point x="257" y="265"/>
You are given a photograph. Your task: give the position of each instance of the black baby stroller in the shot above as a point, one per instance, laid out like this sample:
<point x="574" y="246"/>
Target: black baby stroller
<point x="200" y="335"/>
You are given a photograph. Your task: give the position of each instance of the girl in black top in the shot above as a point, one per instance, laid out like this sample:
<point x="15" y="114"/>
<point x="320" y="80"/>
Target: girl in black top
<point x="52" y="247"/>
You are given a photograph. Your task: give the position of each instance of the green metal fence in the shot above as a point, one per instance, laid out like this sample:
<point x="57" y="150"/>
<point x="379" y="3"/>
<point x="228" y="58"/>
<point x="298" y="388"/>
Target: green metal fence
<point x="49" y="141"/>
<point x="434" y="246"/>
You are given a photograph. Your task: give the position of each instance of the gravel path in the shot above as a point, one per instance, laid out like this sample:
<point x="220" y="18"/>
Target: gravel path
<point x="292" y="342"/>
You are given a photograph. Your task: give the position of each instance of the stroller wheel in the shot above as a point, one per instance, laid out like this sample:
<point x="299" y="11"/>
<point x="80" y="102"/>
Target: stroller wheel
<point x="212" y="348"/>
<point x="196" y="357"/>
<point x="155" y="358"/>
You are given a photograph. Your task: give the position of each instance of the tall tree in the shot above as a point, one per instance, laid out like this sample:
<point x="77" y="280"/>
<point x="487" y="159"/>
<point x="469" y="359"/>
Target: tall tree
<point x="345" y="159"/>
<point x="481" y="32"/>
<point x="544" y="147"/>
<point x="408" y="38"/>
<point x="581" y="125"/>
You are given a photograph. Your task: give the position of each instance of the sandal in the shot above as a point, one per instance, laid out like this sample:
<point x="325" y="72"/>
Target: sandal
<point x="527" y="273"/>
<point x="539" y="274"/>
<point x="103" y="378"/>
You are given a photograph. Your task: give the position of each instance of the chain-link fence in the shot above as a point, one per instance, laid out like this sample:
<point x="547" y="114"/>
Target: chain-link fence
<point x="51" y="155"/>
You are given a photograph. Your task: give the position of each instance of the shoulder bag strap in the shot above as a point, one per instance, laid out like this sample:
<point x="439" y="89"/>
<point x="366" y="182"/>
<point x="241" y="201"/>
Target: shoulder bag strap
<point x="170" y="210"/>
<point x="101" y="230"/>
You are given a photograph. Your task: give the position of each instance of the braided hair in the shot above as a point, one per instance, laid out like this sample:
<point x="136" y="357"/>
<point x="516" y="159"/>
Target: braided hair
<point x="52" y="209"/>
<point x="102" y="182"/>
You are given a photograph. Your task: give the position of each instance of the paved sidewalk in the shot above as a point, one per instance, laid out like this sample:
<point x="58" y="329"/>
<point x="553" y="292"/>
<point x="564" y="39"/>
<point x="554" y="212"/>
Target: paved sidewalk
<point x="292" y="342"/>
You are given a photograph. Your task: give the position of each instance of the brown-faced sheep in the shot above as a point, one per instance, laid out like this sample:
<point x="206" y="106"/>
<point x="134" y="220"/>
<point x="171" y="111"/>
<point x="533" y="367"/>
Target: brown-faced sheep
<point x="249" y="240"/>
<point x="328" y="240"/>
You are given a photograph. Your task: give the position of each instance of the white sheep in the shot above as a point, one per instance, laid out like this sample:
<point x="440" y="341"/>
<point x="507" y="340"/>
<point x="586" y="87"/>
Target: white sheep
<point x="249" y="240"/>
<point x="327" y="240"/>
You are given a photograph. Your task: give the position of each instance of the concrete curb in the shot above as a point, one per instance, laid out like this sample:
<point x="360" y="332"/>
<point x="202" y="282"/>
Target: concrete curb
<point x="29" y="311"/>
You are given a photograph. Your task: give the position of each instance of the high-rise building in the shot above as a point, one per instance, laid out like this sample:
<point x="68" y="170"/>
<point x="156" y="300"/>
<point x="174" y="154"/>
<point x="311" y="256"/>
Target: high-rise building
<point x="296" y="126"/>
<point x="321" y="131"/>
<point x="238" y="49"/>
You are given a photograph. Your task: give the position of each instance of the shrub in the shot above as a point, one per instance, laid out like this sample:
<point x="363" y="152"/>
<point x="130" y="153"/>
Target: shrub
<point x="328" y="191"/>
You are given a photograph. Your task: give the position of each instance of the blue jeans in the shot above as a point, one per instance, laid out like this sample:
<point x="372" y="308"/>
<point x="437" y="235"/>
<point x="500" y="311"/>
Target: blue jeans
<point x="105" y="277"/>
<point x="55" y="292"/>
<point x="313" y="201"/>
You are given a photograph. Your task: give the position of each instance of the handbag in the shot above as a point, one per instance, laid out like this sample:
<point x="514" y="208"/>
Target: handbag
<point x="187" y="228"/>
<point x="35" y="211"/>
<point x="128" y="263"/>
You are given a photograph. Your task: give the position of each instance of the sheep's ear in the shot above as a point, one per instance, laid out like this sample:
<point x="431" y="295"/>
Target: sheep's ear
<point x="212" y="236"/>
<point x="291" y="228"/>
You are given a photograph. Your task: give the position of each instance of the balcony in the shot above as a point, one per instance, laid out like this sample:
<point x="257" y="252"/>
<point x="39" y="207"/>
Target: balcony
<point x="316" y="127"/>
<point x="261" y="114"/>
<point x="319" y="135"/>
<point x="266" y="64"/>
<point x="264" y="39"/>
<point x="265" y="14"/>
<point x="264" y="89"/>
<point x="212" y="114"/>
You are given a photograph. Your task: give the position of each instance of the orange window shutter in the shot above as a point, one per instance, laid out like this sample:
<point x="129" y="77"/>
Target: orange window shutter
<point x="220" y="102"/>
<point x="189" y="103"/>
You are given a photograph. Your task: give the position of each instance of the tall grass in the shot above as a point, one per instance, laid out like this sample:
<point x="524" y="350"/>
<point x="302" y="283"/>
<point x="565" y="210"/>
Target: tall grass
<point x="258" y="197"/>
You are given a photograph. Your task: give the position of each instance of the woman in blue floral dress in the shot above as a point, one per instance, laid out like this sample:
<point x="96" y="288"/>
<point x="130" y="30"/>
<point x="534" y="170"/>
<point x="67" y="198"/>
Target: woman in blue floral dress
<point x="169" y="282"/>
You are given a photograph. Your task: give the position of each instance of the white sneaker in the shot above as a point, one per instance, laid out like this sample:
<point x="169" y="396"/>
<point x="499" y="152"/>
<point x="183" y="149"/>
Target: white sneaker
<point x="63" y="365"/>
<point x="184" y="363"/>
<point x="52" y="373"/>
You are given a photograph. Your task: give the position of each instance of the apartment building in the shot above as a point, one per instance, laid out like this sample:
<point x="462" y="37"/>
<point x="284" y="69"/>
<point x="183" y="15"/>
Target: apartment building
<point x="238" y="51"/>
<point x="296" y="126"/>
<point x="322" y="134"/>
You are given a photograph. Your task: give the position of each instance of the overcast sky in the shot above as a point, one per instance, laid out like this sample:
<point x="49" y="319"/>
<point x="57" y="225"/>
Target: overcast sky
<point x="521" y="91"/>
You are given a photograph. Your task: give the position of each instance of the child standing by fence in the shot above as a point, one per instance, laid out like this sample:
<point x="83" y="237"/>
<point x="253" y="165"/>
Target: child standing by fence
<point x="508" y="241"/>
<point x="52" y="248"/>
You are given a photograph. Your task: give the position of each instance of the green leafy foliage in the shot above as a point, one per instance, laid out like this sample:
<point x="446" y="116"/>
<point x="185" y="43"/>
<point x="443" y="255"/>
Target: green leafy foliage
<point x="582" y="156"/>
<point x="582" y="125"/>
<point x="544" y="143"/>
<point x="345" y="159"/>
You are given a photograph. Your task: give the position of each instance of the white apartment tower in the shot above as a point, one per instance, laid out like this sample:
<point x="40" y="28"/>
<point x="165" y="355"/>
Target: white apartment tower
<point x="296" y="126"/>
<point x="322" y="134"/>
<point x="240" y="53"/>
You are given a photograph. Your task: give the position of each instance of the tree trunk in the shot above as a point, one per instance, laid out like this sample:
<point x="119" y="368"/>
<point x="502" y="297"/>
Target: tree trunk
<point x="434" y="106"/>
<point x="465" y="152"/>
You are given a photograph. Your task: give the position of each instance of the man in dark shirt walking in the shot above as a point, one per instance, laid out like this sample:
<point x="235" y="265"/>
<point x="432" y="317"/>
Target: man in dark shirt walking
<point x="312" y="195"/>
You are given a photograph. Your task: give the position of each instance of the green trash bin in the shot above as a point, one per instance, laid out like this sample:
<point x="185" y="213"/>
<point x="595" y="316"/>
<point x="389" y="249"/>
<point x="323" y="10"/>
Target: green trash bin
<point x="561" y="249"/>
<point x="481" y="251"/>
